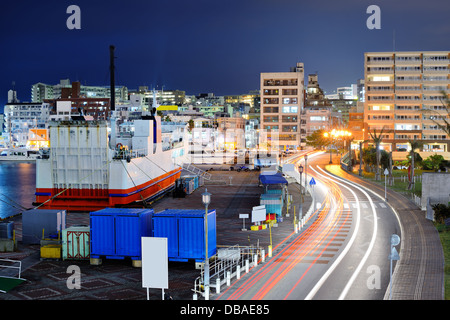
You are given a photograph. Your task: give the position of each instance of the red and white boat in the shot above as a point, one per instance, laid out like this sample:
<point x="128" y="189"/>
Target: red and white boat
<point x="89" y="167"/>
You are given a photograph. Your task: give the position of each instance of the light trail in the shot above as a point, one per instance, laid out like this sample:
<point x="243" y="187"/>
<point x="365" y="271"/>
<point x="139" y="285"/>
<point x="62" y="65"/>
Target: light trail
<point x="305" y="244"/>
<point x="372" y="241"/>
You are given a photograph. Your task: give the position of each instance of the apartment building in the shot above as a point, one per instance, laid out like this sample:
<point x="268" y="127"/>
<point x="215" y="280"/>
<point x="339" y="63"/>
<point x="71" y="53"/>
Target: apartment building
<point x="356" y="122"/>
<point x="98" y="108"/>
<point x="20" y="117"/>
<point x="41" y="91"/>
<point x="403" y="95"/>
<point x="317" y="109"/>
<point x="282" y="100"/>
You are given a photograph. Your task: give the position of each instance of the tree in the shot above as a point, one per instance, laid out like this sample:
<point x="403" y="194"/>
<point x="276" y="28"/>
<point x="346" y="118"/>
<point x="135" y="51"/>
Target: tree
<point x="433" y="162"/>
<point x="377" y="141"/>
<point x="439" y="118"/>
<point x="415" y="144"/>
<point x="317" y="139"/>
<point x="370" y="157"/>
<point x="191" y="124"/>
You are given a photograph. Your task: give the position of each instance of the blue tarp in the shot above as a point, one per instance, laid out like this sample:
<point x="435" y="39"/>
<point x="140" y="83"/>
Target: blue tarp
<point x="272" y="178"/>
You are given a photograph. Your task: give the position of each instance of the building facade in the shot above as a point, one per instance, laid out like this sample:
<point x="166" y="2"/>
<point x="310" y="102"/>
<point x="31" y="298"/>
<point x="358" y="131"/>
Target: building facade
<point x="317" y="111"/>
<point x="404" y="95"/>
<point x="19" y="118"/>
<point x="41" y="91"/>
<point x="282" y="101"/>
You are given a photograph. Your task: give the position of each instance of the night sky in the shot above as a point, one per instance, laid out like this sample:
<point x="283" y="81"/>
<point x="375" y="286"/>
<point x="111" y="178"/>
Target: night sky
<point x="206" y="46"/>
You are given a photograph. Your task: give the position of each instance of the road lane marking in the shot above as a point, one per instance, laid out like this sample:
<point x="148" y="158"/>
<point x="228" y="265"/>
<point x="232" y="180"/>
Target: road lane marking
<point x="322" y="280"/>
<point x="372" y="241"/>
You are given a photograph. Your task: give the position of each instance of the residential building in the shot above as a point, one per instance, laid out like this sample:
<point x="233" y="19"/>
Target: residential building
<point x="282" y="101"/>
<point x="20" y="117"/>
<point x="230" y="133"/>
<point x="163" y="97"/>
<point x="403" y="95"/>
<point x="97" y="108"/>
<point x="343" y="100"/>
<point x="356" y="122"/>
<point x="244" y="103"/>
<point x="317" y="110"/>
<point x="41" y="91"/>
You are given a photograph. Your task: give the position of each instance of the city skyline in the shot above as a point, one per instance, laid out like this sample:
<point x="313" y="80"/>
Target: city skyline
<point x="198" y="47"/>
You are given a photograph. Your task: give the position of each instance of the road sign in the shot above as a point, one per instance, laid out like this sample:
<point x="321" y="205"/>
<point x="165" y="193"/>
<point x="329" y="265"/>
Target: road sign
<point x="386" y="172"/>
<point x="395" y="240"/>
<point x="394" y="254"/>
<point x="312" y="182"/>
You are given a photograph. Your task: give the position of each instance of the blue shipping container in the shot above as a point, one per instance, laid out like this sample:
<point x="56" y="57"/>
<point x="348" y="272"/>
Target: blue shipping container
<point x="115" y="233"/>
<point x="194" y="179"/>
<point x="185" y="233"/>
<point x="273" y="202"/>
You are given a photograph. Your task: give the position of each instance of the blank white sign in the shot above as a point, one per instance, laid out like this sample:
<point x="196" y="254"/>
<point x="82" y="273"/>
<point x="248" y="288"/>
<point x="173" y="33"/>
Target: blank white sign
<point x="258" y="215"/>
<point x="155" y="269"/>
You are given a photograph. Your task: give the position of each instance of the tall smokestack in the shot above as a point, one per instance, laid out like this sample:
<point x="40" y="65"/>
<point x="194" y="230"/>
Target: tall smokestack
<point x="111" y="70"/>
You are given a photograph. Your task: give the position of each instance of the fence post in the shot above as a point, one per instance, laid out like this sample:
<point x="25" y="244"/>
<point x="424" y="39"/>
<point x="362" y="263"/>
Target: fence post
<point x="218" y="285"/>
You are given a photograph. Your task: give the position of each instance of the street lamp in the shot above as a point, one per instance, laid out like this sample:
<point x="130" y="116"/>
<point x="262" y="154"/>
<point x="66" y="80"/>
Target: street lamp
<point x="206" y="199"/>
<point x="360" y="158"/>
<point x="300" y="170"/>
<point x="306" y="171"/>
<point x="326" y="135"/>
<point x="300" y="210"/>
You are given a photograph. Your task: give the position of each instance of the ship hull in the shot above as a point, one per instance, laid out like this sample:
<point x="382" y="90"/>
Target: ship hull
<point x="94" y="199"/>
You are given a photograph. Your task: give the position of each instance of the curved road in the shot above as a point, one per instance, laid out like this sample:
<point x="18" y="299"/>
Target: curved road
<point x="343" y="254"/>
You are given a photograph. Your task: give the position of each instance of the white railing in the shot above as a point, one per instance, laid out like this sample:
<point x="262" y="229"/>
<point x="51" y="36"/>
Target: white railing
<point x="124" y="154"/>
<point x="228" y="263"/>
<point x="12" y="267"/>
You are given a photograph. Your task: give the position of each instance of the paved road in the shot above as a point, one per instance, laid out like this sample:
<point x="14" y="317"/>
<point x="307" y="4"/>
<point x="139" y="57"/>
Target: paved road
<point x="342" y="255"/>
<point x="419" y="274"/>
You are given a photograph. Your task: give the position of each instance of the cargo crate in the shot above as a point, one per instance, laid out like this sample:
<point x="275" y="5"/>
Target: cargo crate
<point x="51" y="251"/>
<point x="41" y="223"/>
<point x="185" y="231"/>
<point x="115" y="233"/>
<point x="76" y="243"/>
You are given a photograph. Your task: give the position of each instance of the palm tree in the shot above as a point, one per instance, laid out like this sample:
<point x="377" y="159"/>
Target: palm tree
<point x="415" y="144"/>
<point x="377" y="140"/>
<point x="439" y="119"/>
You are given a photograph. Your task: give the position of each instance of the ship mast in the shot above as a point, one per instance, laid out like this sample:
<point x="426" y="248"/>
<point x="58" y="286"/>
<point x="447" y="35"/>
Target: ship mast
<point x="112" y="79"/>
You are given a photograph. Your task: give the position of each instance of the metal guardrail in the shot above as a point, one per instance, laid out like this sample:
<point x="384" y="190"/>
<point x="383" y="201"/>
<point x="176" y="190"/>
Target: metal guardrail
<point x="195" y="170"/>
<point x="12" y="267"/>
<point x="124" y="154"/>
<point x="229" y="262"/>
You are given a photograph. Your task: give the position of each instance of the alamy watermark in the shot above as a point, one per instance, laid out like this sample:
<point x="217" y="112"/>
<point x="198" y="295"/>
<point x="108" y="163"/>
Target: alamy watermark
<point x="74" y="21"/>
<point x="374" y="20"/>
<point x="74" y="280"/>
<point x="374" y="279"/>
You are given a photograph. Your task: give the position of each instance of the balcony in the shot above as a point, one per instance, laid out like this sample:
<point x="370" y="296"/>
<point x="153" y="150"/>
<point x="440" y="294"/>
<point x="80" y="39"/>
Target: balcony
<point x="435" y="70"/>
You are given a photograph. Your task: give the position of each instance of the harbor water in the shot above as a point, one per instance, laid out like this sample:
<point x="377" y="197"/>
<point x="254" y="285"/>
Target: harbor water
<point x="17" y="187"/>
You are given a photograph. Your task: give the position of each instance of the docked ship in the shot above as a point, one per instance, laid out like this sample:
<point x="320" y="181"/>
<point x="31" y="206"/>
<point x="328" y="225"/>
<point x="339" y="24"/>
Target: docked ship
<point x="87" y="169"/>
<point x="91" y="165"/>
